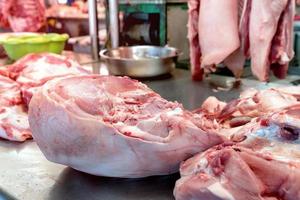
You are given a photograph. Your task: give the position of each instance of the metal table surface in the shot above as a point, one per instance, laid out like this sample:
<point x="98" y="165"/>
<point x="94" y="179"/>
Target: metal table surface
<point x="26" y="174"/>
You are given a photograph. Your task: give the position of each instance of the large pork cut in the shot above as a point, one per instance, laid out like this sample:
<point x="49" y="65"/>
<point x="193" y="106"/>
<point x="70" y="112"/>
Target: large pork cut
<point x="113" y="126"/>
<point x="13" y="119"/>
<point x="264" y="164"/>
<point x="33" y="70"/>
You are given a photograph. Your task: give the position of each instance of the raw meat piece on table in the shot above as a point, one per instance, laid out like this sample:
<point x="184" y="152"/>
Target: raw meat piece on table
<point x="14" y="124"/>
<point x="260" y="163"/>
<point x="34" y="70"/>
<point x="13" y="119"/>
<point x="113" y="126"/>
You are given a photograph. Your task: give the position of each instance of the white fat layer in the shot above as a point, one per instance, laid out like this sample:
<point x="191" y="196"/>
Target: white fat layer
<point x="218" y="190"/>
<point x="47" y="69"/>
<point x="176" y="111"/>
<point x="149" y="123"/>
<point x="15" y="116"/>
<point x="202" y="166"/>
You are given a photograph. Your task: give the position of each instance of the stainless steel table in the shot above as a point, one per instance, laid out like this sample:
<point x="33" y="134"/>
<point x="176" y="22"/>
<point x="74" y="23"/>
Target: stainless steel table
<point x="26" y="174"/>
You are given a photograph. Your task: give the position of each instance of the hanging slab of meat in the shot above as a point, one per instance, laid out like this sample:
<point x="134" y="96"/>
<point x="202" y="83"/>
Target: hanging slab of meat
<point x="236" y="61"/>
<point x="263" y="165"/>
<point x="113" y="126"/>
<point x="34" y="70"/>
<point x="23" y="15"/>
<point x="3" y="18"/>
<point x="282" y="44"/>
<point x="264" y="19"/>
<point x="218" y="31"/>
<point x="13" y="119"/>
<point x="195" y="54"/>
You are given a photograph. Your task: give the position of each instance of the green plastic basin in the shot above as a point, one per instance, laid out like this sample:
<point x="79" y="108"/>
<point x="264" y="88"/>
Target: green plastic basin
<point x="18" y="46"/>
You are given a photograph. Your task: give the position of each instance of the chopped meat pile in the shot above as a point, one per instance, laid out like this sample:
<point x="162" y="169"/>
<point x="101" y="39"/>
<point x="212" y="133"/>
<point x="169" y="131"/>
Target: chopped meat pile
<point x="113" y="126"/>
<point x="22" y="15"/>
<point x="260" y="160"/>
<point x="231" y="31"/>
<point x="19" y="81"/>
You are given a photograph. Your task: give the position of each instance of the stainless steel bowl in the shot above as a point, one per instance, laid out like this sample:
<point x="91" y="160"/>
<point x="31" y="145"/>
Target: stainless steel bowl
<point x="140" y="61"/>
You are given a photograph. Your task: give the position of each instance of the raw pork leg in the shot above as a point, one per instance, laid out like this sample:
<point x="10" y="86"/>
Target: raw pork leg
<point x="113" y="126"/>
<point x="218" y="31"/>
<point x="264" y="18"/>
<point x="195" y="54"/>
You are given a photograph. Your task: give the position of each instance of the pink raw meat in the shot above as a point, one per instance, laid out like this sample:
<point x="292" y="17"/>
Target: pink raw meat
<point x="14" y="124"/>
<point x="282" y="50"/>
<point x="23" y="15"/>
<point x="10" y="93"/>
<point x="235" y="173"/>
<point x="261" y="163"/>
<point x="218" y="31"/>
<point x="264" y="20"/>
<point x="13" y="119"/>
<point x="34" y="70"/>
<point x="113" y="126"/>
<point x="195" y="54"/>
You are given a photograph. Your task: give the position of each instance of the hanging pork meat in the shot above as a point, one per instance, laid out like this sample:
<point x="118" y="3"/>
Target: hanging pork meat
<point x="231" y="31"/>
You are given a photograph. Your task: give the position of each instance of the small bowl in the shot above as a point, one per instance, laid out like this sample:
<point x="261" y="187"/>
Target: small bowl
<point x="140" y="61"/>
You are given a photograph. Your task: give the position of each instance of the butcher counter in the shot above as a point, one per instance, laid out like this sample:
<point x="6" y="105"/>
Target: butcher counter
<point x="26" y="174"/>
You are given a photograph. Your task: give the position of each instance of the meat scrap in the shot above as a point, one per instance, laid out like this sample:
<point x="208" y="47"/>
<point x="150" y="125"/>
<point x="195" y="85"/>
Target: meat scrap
<point x="251" y="104"/>
<point x="13" y="118"/>
<point x="231" y="31"/>
<point x="113" y="126"/>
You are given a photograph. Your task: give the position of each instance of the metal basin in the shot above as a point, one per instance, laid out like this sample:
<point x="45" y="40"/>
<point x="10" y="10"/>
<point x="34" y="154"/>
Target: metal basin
<point x="140" y="61"/>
